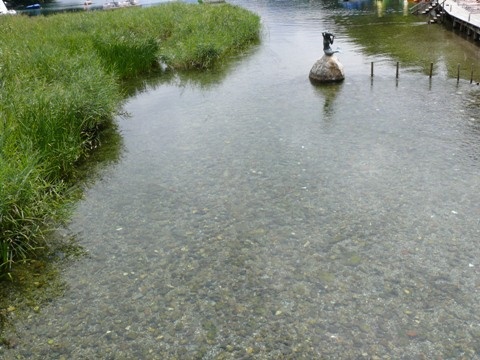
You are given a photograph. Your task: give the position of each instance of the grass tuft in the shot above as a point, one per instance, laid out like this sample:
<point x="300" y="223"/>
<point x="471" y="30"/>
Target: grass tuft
<point x="60" y="87"/>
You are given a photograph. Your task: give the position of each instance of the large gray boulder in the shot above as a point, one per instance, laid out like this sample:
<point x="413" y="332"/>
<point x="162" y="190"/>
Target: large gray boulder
<point x="327" y="69"/>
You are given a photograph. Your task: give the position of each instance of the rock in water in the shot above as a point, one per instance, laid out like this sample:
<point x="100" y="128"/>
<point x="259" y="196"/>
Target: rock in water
<point x="327" y="69"/>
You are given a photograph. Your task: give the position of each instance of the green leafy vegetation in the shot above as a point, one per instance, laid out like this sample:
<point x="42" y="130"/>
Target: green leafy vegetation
<point x="60" y="88"/>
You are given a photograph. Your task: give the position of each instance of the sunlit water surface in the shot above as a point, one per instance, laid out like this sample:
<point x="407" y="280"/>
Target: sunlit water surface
<point x="254" y="215"/>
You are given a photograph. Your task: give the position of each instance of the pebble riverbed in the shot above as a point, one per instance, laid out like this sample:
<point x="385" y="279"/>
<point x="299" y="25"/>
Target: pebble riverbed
<point x="252" y="215"/>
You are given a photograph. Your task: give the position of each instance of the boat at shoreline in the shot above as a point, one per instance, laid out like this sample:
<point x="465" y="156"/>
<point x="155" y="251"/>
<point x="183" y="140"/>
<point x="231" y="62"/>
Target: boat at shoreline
<point x="120" y="4"/>
<point x="33" y="7"/>
<point x="4" y="10"/>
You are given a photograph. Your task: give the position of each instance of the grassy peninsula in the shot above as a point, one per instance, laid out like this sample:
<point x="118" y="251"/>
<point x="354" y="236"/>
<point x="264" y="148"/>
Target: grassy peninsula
<point x="60" y="86"/>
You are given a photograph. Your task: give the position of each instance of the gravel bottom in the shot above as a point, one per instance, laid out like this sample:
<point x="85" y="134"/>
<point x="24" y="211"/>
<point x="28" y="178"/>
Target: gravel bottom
<point x="332" y="223"/>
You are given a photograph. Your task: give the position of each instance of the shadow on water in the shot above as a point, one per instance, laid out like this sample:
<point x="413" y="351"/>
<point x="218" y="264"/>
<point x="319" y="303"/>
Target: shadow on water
<point x="38" y="281"/>
<point x="201" y="79"/>
<point x="328" y="93"/>
<point x="35" y="283"/>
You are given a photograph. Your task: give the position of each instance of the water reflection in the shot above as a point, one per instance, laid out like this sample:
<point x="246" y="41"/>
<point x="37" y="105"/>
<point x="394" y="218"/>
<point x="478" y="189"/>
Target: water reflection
<point x="357" y="4"/>
<point x="411" y="41"/>
<point x="379" y="6"/>
<point x="329" y="93"/>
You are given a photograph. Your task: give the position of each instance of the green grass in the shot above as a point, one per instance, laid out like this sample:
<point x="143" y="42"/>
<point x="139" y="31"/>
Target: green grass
<point x="60" y="88"/>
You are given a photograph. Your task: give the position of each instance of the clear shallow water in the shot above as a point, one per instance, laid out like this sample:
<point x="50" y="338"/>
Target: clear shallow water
<point x="253" y="215"/>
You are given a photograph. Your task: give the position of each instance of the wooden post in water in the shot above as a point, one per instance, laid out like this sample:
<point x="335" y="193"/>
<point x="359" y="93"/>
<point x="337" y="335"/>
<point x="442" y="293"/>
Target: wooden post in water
<point x="371" y="69"/>
<point x="471" y="75"/>
<point x="431" y="69"/>
<point x="396" y="74"/>
<point x="458" y="73"/>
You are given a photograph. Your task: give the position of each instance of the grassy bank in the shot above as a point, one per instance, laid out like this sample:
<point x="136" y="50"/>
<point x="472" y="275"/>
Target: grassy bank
<point x="60" y="86"/>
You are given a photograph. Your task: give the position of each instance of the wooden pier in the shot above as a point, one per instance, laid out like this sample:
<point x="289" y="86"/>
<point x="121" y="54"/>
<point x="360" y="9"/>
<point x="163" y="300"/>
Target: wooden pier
<point x="464" y="14"/>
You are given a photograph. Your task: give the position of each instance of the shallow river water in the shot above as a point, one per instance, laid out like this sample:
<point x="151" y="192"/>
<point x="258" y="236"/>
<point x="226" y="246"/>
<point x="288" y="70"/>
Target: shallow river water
<point x="253" y="215"/>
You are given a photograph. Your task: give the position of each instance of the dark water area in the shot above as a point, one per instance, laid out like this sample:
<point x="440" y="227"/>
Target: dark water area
<point x="253" y="215"/>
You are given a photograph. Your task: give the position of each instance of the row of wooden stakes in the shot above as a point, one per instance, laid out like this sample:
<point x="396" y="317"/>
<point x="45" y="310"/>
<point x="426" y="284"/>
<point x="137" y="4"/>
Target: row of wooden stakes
<point x="430" y="72"/>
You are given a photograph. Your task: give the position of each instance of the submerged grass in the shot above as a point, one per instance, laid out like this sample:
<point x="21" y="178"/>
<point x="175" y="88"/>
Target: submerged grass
<point x="60" y="87"/>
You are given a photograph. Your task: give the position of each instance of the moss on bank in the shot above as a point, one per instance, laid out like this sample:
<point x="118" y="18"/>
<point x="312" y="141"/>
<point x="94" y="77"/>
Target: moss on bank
<point x="60" y="87"/>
